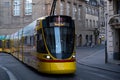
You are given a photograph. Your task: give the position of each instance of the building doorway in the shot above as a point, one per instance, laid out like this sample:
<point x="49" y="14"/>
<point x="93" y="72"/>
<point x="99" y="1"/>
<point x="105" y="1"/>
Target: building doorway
<point x="116" y="41"/>
<point x="86" y="40"/>
<point x="80" y="40"/>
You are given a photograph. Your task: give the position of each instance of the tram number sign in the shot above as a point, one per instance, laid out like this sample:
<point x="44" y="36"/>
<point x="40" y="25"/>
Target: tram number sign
<point x="59" y="24"/>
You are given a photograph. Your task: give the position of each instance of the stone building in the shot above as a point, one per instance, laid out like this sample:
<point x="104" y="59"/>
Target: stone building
<point x="91" y="26"/>
<point x="101" y="21"/>
<point x="113" y="28"/>
<point x="95" y="22"/>
<point x="14" y="14"/>
<point x="73" y="8"/>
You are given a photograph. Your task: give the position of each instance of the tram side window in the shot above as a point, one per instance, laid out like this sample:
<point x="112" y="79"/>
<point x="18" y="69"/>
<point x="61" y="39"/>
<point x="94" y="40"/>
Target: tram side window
<point x="21" y="41"/>
<point x="29" y="41"/>
<point x="15" y="43"/>
<point x="8" y="44"/>
<point x="0" y="43"/>
<point x="25" y="40"/>
<point x="32" y="40"/>
<point x="40" y="43"/>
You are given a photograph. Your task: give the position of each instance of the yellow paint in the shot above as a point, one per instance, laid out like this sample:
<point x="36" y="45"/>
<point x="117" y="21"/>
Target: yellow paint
<point x="57" y="67"/>
<point x="0" y="49"/>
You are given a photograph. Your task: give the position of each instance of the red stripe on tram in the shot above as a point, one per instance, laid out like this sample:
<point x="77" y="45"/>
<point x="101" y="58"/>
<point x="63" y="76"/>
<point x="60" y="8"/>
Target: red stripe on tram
<point x="43" y="60"/>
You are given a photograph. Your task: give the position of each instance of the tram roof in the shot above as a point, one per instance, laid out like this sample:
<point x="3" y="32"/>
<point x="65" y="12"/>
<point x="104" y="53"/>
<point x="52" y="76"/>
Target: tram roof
<point x="7" y="37"/>
<point x="2" y="37"/>
<point x="27" y="30"/>
<point x="30" y="29"/>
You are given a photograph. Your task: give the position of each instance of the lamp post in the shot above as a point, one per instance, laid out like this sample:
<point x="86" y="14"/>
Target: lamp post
<point x="106" y="56"/>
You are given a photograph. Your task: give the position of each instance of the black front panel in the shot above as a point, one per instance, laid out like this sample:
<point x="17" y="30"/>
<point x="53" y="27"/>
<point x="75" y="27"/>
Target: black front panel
<point x="60" y="35"/>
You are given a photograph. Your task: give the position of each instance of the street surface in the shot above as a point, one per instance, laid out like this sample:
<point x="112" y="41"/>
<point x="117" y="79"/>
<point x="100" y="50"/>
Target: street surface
<point x="12" y="69"/>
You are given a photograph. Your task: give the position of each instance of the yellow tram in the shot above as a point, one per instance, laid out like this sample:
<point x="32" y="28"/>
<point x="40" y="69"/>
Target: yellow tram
<point x="1" y="45"/>
<point x="7" y="43"/>
<point x="2" y="38"/>
<point x="47" y="44"/>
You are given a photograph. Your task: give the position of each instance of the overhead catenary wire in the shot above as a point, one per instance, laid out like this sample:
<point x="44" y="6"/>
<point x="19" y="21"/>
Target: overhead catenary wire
<point x="53" y="7"/>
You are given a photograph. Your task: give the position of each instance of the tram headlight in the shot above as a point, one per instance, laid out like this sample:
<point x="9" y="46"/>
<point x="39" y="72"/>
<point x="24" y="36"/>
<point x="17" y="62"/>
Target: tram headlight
<point x="48" y="57"/>
<point x="73" y="56"/>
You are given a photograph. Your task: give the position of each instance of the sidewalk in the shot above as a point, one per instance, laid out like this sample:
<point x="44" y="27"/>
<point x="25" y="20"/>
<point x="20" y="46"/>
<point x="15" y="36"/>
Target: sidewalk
<point x="95" y="57"/>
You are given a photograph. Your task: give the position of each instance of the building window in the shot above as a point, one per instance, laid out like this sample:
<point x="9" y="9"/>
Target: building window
<point x="96" y="12"/>
<point x="89" y="10"/>
<point x="86" y="22"/>
<point x="86" y="10"/>
<point x="6" y="4"/>
<point x="28" y="7"/>
<point x="16" y="8"/>
<point x="90" y="23"/>
<point x="93" y="12"/>
<point x="68" y="8"/>
<point x="74" y="10"/>
<point x="79" y="12"/>
<point x="61" y="7"/>
<point x="118" y="6"/>
<point x="94" y="23"/>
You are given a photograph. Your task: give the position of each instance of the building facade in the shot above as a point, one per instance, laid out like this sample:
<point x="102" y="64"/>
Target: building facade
<point x="101" y="17"/>
<point x="95" y="22"/>
<point x="91" y="26"/>
<point x="113" y="28"/>
<point x="73" y="8"/>
<point x="14" y="14"/>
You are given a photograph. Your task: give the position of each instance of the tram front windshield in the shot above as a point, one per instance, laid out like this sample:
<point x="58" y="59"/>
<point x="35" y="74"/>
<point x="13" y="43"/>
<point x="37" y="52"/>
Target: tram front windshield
<point x="60" y="37"/>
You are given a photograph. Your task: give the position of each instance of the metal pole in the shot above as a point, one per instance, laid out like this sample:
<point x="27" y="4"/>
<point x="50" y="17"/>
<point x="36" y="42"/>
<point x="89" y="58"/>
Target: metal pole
<point x="53" y="7"/>
<point x="106" y="56"/>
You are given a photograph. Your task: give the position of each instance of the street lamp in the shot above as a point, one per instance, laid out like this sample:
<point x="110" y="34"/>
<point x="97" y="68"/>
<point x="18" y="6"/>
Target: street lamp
<point x="106" y="56"/>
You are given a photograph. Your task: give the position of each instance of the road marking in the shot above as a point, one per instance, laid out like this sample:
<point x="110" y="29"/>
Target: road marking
<point x="10" y="74"/>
